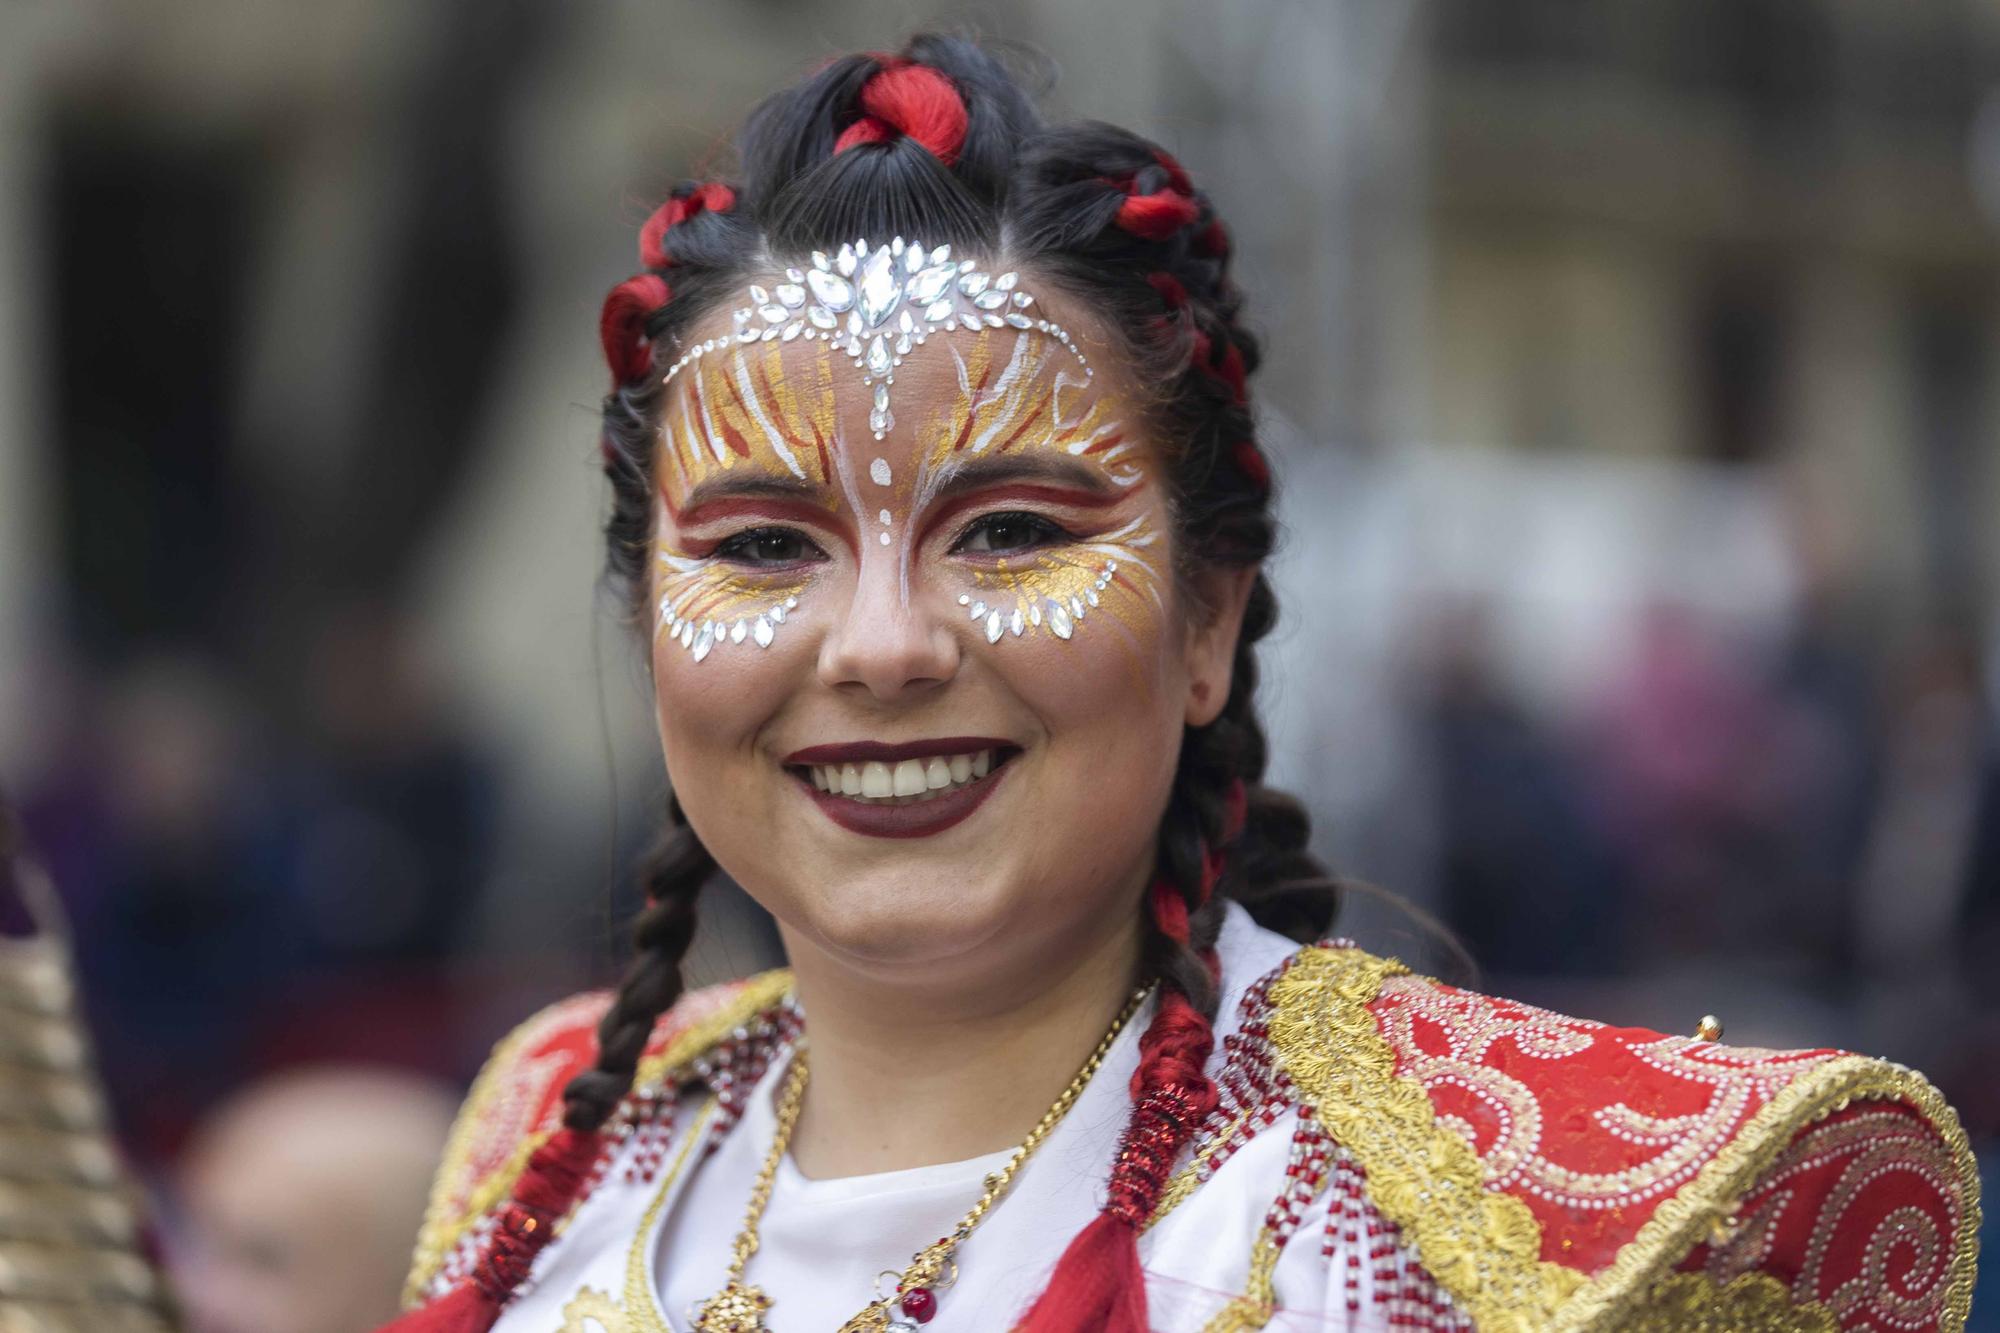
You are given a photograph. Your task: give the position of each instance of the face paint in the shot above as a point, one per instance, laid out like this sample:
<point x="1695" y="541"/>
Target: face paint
<point x="704" y="603"/>
<point x="752" y="418"/>
<point x="1057" y="591"/>
<point x="759" y="406"/>
<point x="892" y="299"/>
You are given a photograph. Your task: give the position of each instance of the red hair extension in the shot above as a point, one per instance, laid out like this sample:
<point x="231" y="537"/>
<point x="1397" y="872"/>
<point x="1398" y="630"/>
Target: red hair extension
<point x="1212" y="241"/>
<point x="622" y="325"/>
<point x="1170" y="911"/>
<point x="1098" y="1285"/>
<point x="550" y="1184"/>
<point x="1235" y="806"/>
<point x="714" y="197"/>
<point x="1250" y="459"/>
<point x="913" y="101"/>
<point x="1169" y="287"/>
<point x="1154" y="217"/>
<point x="1228" y="367"/>
<point x="1177" y="175"/>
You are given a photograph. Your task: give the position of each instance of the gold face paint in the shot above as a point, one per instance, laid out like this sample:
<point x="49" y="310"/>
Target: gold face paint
<point x="1014" y="404"/>
<point x="751" y="416"/>
<point x="1016" y="392"/>
<point x="751" y="411"/>
<point x="1056" y="590"/>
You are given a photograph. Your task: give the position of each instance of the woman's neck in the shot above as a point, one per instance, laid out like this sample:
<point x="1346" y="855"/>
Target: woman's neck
<point x="908" y="1076"/>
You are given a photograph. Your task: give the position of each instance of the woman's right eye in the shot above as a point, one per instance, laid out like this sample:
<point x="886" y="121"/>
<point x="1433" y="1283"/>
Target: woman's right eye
<point x="768" y="546"/>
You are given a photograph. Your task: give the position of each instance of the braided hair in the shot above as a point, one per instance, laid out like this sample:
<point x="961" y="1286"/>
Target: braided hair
<point x="940" y="140"/>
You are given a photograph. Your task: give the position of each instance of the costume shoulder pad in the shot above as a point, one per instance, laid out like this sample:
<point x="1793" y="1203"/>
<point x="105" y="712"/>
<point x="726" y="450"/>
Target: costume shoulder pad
<point x="516" y="1100"/>
<point x="1556" y="1173"/>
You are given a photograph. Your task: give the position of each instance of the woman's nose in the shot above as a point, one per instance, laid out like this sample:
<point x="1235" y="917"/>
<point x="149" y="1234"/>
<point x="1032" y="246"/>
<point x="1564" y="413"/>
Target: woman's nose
<point x="888" y="643"/>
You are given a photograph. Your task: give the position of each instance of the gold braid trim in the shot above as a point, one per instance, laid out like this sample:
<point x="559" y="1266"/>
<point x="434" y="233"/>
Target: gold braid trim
<point x="445" y="1222"/>
<point x="1188" y="1179"/>
<point x="642" y="1314"/>
<point x="1683" y="1220"/>
<point x="1482" y="1247"/>
<point x="1254" y="1308"/>
<point x="1749" y="1303"/>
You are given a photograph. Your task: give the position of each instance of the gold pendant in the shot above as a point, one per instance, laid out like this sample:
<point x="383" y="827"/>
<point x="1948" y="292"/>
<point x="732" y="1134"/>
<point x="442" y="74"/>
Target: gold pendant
<point x="874" y="1319"/>
<point x="737" y="1308"/>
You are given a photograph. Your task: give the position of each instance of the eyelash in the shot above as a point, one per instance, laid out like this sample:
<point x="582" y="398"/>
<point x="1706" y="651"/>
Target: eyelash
<point x="1046" y="531"/>
<point x="739" y="548"/>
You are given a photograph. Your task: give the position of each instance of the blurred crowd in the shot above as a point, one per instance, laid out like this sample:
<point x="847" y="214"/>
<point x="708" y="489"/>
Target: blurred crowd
<point x="1633" y="384"/>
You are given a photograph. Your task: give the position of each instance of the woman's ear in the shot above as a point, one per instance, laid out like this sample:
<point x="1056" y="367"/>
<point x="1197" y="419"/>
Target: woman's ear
<point x="1220" y="596"/>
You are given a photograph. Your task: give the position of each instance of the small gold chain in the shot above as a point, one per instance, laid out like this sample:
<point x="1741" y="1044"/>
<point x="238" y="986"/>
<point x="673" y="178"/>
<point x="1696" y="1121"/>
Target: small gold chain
<point x="739" y="1307"/>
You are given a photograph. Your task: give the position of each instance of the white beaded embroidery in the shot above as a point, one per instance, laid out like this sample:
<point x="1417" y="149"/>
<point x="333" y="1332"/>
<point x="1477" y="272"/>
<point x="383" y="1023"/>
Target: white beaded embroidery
<point x="875" y="304"/>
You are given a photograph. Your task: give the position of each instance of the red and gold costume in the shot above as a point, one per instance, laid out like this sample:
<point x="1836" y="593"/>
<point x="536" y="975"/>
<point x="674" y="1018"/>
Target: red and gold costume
<point x="1492" y="1165"/>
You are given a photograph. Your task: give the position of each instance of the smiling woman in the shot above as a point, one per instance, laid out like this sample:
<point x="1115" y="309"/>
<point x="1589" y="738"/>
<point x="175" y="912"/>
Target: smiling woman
<point x="937" y="496"/>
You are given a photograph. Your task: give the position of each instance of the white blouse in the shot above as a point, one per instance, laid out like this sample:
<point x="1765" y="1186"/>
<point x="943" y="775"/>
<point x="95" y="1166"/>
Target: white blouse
<point x="638" y="1254"/>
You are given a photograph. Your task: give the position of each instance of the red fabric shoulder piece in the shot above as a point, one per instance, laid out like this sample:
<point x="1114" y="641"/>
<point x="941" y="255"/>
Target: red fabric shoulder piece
<point x="1673" y="1176"/>
<point x="516" y="1101"/>
<point x="1868" y="1217"/>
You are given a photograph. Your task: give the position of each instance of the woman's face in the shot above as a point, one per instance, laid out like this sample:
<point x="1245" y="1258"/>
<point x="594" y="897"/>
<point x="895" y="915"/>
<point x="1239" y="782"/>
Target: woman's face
<point x="922" y="694"/>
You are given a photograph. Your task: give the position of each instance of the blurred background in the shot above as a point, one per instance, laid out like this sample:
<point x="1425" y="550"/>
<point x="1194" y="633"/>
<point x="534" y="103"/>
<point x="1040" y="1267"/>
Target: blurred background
<point x="1633" y="381"/>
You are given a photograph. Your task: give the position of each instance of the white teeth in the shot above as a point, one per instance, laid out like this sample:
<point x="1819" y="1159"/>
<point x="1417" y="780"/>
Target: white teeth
<point x="905" y="781"/>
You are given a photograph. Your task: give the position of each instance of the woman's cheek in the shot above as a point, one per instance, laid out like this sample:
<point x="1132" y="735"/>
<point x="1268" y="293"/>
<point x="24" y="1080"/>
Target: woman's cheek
<point x="725" y="645"/>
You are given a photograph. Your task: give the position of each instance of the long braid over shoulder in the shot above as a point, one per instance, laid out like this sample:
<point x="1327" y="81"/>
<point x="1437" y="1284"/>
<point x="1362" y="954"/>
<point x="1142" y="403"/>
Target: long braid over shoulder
<point x="940" y="141"/>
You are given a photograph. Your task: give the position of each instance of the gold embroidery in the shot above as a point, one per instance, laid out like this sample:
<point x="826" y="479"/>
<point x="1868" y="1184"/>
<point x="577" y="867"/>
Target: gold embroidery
<point x="591" y="1311"/>
<point x="1254" y="1308"/>
<point x="1481" y="1247"/>
<point x="1188" y="1179"/>
<point x="446" y="1222"/>
<point x="1751" y="1303"/>
<point x="641" y="1310"/>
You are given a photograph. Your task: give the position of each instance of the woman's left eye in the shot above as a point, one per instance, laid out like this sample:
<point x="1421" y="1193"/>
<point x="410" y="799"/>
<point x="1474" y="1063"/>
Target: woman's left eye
<point x="997" y="534"/>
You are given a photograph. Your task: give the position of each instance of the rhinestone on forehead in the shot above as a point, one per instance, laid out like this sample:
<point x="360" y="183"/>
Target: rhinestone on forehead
<point x="877" y="302"/>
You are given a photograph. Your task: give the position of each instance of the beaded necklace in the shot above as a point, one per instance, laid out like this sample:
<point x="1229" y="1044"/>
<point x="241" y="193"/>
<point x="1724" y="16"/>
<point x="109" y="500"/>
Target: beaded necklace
<point x="740" y="1306"/>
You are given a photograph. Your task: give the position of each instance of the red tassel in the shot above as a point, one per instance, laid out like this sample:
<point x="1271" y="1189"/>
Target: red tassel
<point x="464" y="1309"/>
<point x="1098" y="1285"/>
<point x="553" y="1179"/>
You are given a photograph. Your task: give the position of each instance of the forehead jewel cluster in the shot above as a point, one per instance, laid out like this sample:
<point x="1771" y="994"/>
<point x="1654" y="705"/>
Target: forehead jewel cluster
<point x="876" y="302"/>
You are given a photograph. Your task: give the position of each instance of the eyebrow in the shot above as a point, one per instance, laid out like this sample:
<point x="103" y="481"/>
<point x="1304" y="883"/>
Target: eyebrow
<point x="731" y="486"/>
<point x="1058" y="470"/>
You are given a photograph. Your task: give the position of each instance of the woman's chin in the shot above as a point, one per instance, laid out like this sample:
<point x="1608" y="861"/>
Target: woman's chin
<point x="904" y="921"/>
